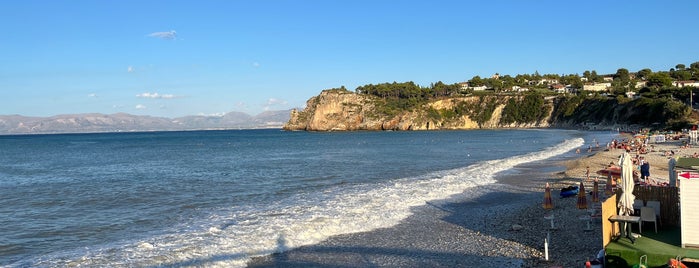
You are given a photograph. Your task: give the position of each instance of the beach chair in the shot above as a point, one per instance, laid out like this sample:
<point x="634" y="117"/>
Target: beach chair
<point x="637" y="205"/>
<point x="656" y="207"/>
<point x="647" y="215"/>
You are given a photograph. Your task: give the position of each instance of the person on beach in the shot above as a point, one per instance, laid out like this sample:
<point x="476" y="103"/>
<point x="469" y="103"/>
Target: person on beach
<point x="587" y="173"/>
<point x="645" y="170"/>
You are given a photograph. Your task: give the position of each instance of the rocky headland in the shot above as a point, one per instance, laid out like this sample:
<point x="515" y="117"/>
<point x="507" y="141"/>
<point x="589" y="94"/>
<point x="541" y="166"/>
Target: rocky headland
<point x="342" y="110"/>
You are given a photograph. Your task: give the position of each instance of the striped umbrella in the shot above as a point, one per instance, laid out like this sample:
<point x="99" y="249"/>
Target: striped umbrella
<point x="582" y="197"/>
<point x="548" y="201"/>
<point x="595" y="191"/>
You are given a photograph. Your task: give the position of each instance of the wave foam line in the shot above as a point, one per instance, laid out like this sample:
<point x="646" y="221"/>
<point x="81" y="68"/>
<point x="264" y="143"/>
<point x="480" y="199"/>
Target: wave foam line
<point x="232" y="240"/>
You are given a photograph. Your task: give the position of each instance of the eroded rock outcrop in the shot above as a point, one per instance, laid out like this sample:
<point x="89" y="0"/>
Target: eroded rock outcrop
<point x="338" y="110"/>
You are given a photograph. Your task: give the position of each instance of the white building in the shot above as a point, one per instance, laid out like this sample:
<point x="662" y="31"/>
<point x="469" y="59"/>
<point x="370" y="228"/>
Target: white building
<point x="597" y="86"/>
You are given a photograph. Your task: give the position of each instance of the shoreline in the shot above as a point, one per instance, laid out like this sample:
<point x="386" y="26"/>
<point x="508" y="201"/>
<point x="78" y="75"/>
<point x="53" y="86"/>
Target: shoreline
<point x="500" y="224"/>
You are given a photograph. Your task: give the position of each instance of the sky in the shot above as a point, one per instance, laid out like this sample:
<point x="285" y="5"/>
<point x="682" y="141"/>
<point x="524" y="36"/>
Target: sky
<point x="177" y="58"/>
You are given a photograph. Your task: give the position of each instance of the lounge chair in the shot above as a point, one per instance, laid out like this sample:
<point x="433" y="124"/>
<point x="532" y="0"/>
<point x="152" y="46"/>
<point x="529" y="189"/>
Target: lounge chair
<point x="656" y="207"/>
<point x="647" y="215"/>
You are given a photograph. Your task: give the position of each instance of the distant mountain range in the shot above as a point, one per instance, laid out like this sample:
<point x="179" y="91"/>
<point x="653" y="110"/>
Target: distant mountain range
<point x="122" y="122"/>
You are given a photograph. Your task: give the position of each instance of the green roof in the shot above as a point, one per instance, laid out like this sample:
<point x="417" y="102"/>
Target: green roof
<point x="688" y="163"/>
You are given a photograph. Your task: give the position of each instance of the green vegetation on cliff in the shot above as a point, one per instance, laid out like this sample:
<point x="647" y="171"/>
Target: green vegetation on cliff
<point x="661" y="99"/>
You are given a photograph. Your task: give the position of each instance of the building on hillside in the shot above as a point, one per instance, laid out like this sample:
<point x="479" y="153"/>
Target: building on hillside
<point x="558" y="88"/>
<point x="596" y="86"/>
<point x="546" y="81"/>
<point x="519" y="89"/>
<point x="640" y="84"/>
<point x="608" y="78"/>
<point x="466" y="85"/>
<point x="685" y="83"/>
<point x="496" y="76"/>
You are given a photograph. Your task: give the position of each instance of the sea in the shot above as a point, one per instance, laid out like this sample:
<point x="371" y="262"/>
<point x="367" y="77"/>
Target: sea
<point x="219" y="198"/>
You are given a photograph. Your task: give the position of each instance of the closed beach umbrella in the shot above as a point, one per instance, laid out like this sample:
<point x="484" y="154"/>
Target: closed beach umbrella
<point x="673" y="175"/>
<point x="595" y="191"/>
<point x="548" y="202"/>
<point x="608" y="187"/>
<point x="626" y="200"/>
<point x="582" y="197"/>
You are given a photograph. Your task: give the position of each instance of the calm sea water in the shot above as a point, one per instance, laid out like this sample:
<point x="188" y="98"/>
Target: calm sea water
<point x="217" y="198"/>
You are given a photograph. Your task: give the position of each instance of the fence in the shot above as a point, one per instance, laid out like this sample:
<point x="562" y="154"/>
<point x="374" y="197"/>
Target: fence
<point x="669" y="202"/>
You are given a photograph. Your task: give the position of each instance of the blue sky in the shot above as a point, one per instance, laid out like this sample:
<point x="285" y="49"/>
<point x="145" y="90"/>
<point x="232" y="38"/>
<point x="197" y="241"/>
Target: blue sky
<point x="176" y="58"/>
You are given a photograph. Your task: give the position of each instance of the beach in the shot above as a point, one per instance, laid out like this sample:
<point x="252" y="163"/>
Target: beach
<point x="504" y="226"/>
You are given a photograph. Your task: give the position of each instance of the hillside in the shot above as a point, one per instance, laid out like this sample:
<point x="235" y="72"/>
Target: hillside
<point x="121" y="122"/>
<point x="341" y="110"/>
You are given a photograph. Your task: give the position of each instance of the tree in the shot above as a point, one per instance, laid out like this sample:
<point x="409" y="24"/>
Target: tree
<point x="694" y="66"/>
<point x="679" y="67"/>
<point x="681" y="75"/>
<point x="573" y="80"/>
<point x="660" y="79"/>
<point x="694" y="70"/>
<point x="622" y="75"/>
<point x="476" y="81"/>
<point x="594" y="77"/>
<point x="644" y="73"/>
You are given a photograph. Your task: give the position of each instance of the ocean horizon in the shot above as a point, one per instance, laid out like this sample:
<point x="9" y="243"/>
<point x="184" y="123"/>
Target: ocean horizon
<point x="222" y="197"/>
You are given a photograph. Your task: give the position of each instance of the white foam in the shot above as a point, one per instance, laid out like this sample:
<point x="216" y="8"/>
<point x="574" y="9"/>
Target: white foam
<point x="231" y="239"/>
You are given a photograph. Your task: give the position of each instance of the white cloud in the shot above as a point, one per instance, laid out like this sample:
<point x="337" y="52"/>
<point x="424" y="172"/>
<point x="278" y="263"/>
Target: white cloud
<point x="155" y="95"/>
<point x="130" y="69"/>
<point x="273" y="102"/>
<point x="255" y="64"/>
<point x="141" y="107"/>
<point x="171" y="35"/>
<point x="92" y="95"/>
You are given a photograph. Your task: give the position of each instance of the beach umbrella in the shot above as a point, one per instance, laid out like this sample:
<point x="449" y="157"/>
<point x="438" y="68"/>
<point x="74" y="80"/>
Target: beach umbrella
<point x="548" y="201"/>
<point x="625" y="204"/>
<point x="595" y="191"/>
<point x="608" y="187"/>
<point x="673" y="174"/>
<point x="582" y="197"/>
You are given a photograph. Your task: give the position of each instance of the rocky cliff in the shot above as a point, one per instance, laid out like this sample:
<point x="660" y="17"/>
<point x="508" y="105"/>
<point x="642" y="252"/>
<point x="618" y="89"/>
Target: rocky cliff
<point x="336" y="110"/>
<point x="341" y="110"/>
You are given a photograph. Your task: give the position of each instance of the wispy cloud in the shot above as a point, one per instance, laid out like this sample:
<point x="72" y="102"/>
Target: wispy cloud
<point x="255" y="64"/>
<point x="141" y="107"/>
<point x="148" y="95"/>
<point x="171" y="35"/>
<point x="273" y="102"/>
<point x="92" y="95"/>
<point x="130" y="69"/>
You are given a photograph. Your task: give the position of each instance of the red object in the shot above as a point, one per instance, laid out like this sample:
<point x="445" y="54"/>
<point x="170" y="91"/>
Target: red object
<point x="689" y="175"/>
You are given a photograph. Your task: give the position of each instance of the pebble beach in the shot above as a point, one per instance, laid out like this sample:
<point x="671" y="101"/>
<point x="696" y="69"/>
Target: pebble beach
<point x="505" y="226"/>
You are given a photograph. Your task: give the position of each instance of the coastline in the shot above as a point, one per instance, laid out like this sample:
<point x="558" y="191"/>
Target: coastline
<point x="500" y="224"/>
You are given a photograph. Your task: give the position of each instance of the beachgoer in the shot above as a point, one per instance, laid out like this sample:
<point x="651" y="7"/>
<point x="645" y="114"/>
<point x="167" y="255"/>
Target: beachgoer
<point x="587" y="173"/>
<point x="645" y="170"/>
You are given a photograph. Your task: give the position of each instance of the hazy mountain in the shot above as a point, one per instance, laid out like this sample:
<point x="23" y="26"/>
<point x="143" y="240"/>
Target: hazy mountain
<point x="121" y="122"/>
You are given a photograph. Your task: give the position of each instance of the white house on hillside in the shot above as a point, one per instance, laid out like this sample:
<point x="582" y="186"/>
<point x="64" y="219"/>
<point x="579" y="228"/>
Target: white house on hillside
<point x="685" y="83"/>
<point x="597" y="86"/>
<point x="465" y="86"/>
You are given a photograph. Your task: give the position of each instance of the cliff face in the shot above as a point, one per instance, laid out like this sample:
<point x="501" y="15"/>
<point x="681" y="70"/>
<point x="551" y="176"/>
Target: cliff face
<point x="335" y="110"/>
